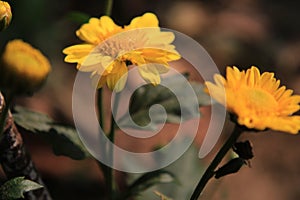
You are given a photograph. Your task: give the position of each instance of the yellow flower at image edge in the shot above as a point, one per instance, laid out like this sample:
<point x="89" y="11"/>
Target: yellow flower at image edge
<point x="5" y="15"/>
<point x="23" y="68"/>
<point x="257" y="100"/>
<point x="108" y="50"/>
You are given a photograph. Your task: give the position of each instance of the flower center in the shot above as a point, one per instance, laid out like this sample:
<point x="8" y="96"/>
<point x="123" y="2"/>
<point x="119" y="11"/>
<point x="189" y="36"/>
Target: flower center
<point x="260" y="100"/>
<point x="122" y="42"/>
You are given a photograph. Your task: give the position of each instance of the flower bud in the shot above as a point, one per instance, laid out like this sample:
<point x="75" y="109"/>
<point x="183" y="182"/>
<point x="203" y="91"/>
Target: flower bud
<point x="243" y="149"/>
<point x="23" y="68"/>
<point x="231" y="167"/>
<point x="5" y="15"/>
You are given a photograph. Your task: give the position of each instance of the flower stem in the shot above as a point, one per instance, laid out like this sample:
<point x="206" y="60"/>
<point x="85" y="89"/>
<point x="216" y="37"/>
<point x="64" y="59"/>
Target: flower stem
<point x="103" y="167"/>
<point x="210" y="171"/>
<point x="109" y="172"/>
<point x="100" y="108"/>
<point x="108" y="7"/>
<point x="3" y="114"/>
<point x="111" y="137"/>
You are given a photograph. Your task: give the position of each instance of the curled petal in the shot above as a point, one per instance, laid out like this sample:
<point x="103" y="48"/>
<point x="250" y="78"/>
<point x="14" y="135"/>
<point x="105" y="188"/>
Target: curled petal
<point x="149" y="73"/>
<point x="117" y="81"/>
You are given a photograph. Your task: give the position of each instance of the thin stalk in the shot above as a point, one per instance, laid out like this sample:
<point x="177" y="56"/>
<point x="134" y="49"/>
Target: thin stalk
<point x="210" y="171"/>
<point x="109" y="172"/>
<point x="100" y="109"/>
<point x="103" y="167"/>
<point x="4" y="113"/>
<point x="111" y="136"/>
<point x="108" y="7"/>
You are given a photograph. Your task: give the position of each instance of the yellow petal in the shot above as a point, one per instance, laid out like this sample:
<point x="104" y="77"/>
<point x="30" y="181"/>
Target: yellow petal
<point x="74" y="59"/>
<point x="220" y="80"/>
<point x="160" y="67"/>
<point x="279" y="92"/>
<point x="290" y="124"/>
<point x="97" y="30"/>
<point x="274" y="87"/>
<point x="90" y="31"/>
<point x="216" y="92"/>
<point x="117" y="81"/>
<point x="149" y="73"/>
<point x="156" y="58"/>
<point x="79" y="48"/>
<point x="252" y="76"/>
<point x="158" y="38"/>
<point x="265" y="79"/>
<point x="231" y="76"/>
<point x="92" y="59"/>
<point x="107" y="63"/>
<point x="159" y="55"/>
<point x="108" y="26"/>
<point x="147" y="20"/>
<point x="77" y="52"/>
<point x="289" y="105"/>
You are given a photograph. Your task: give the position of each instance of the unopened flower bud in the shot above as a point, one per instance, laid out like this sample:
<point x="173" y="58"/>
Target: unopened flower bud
<point x="5" y="15"/>
<point x="23" y="68"/>
<point x="243" y="149"/>
<point x="231" y="167"/>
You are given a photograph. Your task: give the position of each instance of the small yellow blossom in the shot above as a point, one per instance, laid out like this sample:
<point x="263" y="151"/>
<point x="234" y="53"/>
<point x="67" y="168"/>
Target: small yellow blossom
<point x="23" y="68"/>
<point x="108" y="49"/>
<point x="257" y="100"/>
<point x="5" y="15"/>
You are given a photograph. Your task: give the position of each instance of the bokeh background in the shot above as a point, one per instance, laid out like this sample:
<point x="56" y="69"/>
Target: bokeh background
<point x="264" y="33"/>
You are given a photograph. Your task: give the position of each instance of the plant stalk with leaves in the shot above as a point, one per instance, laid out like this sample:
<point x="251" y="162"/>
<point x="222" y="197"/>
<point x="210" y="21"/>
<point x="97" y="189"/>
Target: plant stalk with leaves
<point x="210" y="171"/>
<point x="15" y="160"/>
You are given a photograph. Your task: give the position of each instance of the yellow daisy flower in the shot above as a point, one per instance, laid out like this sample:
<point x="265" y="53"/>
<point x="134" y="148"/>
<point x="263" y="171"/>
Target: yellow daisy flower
<point x="108" y="49"/>
<point x="257" y="100"/>
<point x="23" y="68"/>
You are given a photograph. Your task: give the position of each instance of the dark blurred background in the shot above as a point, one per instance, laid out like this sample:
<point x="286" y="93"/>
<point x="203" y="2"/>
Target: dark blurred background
<point x="263" y="33"/>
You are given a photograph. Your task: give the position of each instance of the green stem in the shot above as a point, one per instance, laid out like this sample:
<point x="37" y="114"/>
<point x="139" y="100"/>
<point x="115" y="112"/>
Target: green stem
<point x="100" y="109"/>
<point x="210" y="171"/>
<point x="101" y="123"/>
<point x="108" y="7"/>
<point x="109" y="175"/>
<point x="103" y="167"/>
<point x="4" y="113"/>
<point x="111" y="137"/>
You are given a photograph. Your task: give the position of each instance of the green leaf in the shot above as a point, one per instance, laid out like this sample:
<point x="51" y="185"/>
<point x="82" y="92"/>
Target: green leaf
<point x="64" y="139"/>
<point x="31" y="121"/>
<point x="148" y="180"/>
<point x="148" y="95"/>
<point x="15" y="188"/>
<point x="78" y="17"/>
<point x="188" y="169"/>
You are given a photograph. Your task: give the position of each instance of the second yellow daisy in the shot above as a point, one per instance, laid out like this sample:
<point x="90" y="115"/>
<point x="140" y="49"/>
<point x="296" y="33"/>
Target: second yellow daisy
<point x="257" y="100"/>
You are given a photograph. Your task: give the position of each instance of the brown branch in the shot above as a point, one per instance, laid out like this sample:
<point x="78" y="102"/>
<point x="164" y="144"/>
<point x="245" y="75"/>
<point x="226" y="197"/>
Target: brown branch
<point x="16" y="161"/>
